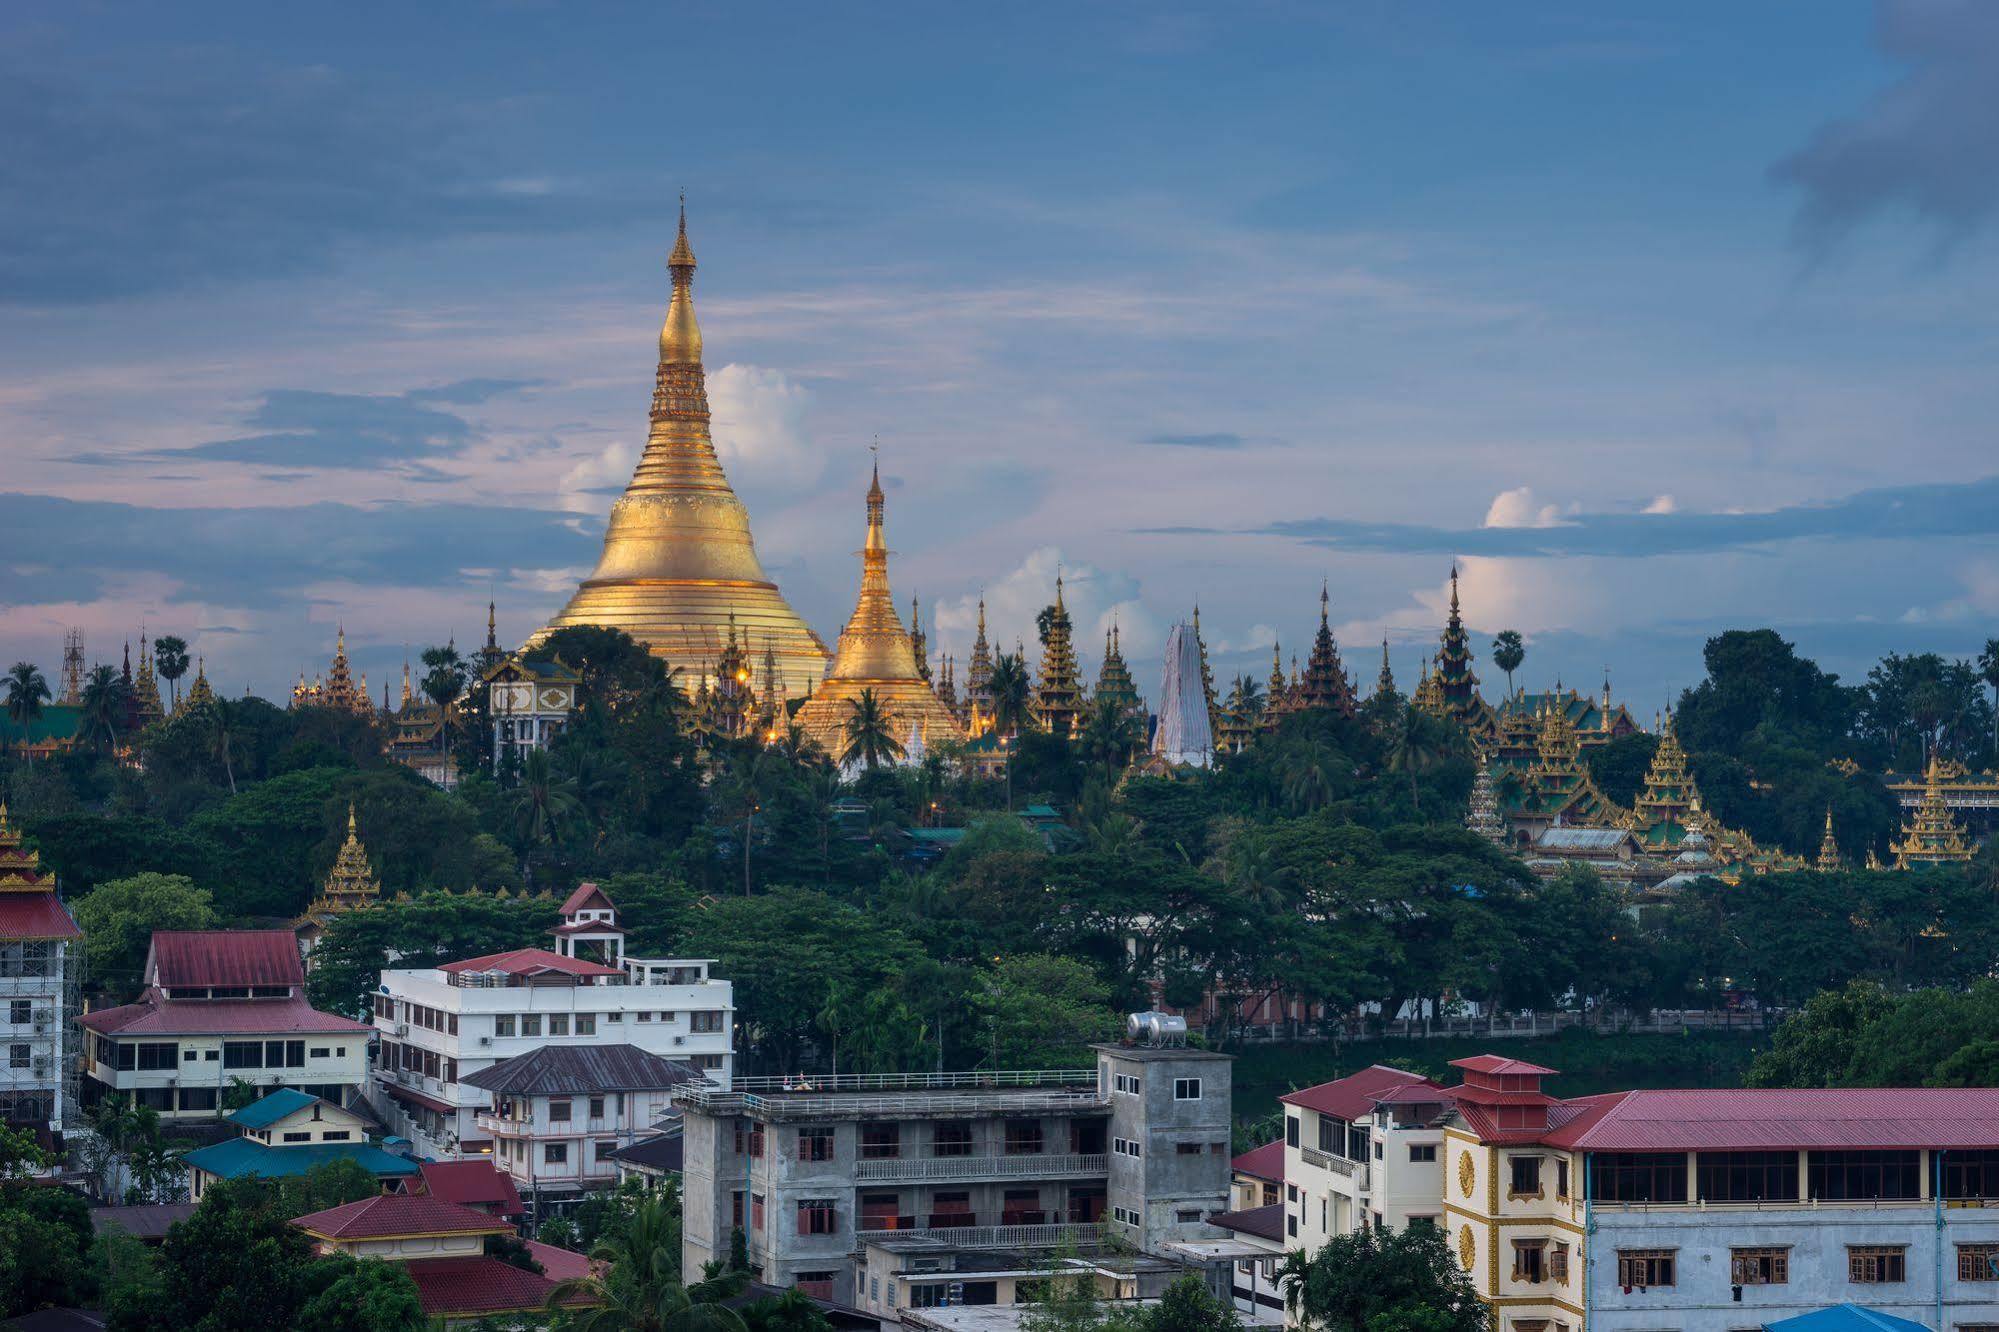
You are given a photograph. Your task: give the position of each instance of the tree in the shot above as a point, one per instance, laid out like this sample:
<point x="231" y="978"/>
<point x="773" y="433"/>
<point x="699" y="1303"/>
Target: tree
<point x="329" y="1184"/>
<point x="1042" y="1011"/>
<point x="1374" y="1281"/>
<point x="445" y="674"/>
<point x="118" y="919"/>
<point x="1815" y="1046"/>
<point x="103" y="710"/>
<point x="43" y="1258"/>
<point x="1010" y="688"/>
<point x="238" y="1262"/>
<point x="1508" y="651"/>
<point x="26" y="692"/>
<point x="223" y="739"/>
<point x="637" y="1288"/>
<point x="368" y="1295"/>
<point x="869" y="733"/>
<point x="793" y="1311"/>
<point x="544" y="802"/>
<point x="1109" y="734"/>
<point x="1988" y="667"/>
<point x="170" y="659"/>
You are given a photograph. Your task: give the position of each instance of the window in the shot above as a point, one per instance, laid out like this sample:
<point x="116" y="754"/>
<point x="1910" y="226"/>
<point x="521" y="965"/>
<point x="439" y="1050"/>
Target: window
<point x="881" y="1211"/>
<point x="1187" y="1214"/>
<point x="1422" y="1223"/>
<point x="644" y="1016"/>
<point x="1126" y="1084"/>
<point x="1876" y="1264"/>
<point x="530" y="1024"/>
<point x="1558" y="1261"/>
<point x="1968" y="1175"/>
<point x="558" y="1112"/>
<point x="881" y="1142"/>
<point x="1357" y="1139"/>
<point x="336" y="1135"/>
<point x="586" y="1024"/>
<point x="298" y="1137"/>
<point x="503" y="1025"/>
<point x="17" y="1055"/>
<point x="1125" y="1147"/>
<point x="1129" y="1217"/>
<point x="756" y="1211"/>
<point x="157" y="1055"/>
<point x="1290" y="1130"/>
<point x="951" y="1207"/>
<point x="1642" y="1177"/>
<point x="1023" y="1137"/>
<point x="596" y="1107"/>
<point x="1768" y="1266"/>
<point x="20" y="1012"/>
<point x="951" y="1140"/>
<point x="706" y="1023"/>
<point x="818" y="1216"/>
<point x="1421" y="1153"/>
<point x="1530" y="1260"/>
<point x="1290" y="1224"/>
<point x="1332" y="1135"/>
<point x="242" y="1054"/>
<point x="1977" y="1262"/>
<point x="1864" y="1176"/>
<point x="815" y="1143"/>
<point x="317" y="1052"/>
<point x="1561" y="1177"/>
<point x="558" y="1024"/>
<point x="1021" y="1207"/>
<point x="1186" y="1089"/>
<point x="197" y="1098"/>
<point x="1526" y="1178"/>
<point x="1186" y="1149"/>
<point x="191" y="1055"/>
<point x="1642" y="1269"/>
<point x="555" y="1153"/>
<point x="1746" y="1177"/>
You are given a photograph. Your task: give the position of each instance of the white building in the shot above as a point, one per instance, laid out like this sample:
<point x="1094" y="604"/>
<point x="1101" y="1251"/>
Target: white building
<point x="219" y="1006"/>
<point x="439" y="1025"/>
<point x="40" y="961"/>
<point x="1329" y="1155"/>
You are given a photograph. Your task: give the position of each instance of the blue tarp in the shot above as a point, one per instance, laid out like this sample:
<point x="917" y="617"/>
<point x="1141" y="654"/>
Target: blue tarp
<point x="1845" y="1318"/>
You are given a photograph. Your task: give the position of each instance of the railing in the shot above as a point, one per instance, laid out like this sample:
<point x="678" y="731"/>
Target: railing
<point x="808" y="1105"/>
<point x="1339" y="1165"/>
<point x="1039" y="1077"/>
<point x="919" y="1169"/>
<point x="1051" y="1235"/>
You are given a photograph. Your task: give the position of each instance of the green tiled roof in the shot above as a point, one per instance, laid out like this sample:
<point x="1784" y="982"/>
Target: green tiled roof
<point x="58" y="721"/>
<point x="240" y="1158"/>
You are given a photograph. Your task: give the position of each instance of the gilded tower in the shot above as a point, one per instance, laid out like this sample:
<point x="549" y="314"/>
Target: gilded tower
<point x="1933" y="836"/>
<point x="1058" y="696"/>
<point x="919" y="646"/>
<point x="145" y="686"/>
<point x="1325" y="684"/>
<point x="1114" y="680"/>
<point x="678" y="558"/>
<point x="979" y="681"/>
<point x="1828" y="861"/>
<point x="1457" y="687"/>
<point x="875" y="654"/>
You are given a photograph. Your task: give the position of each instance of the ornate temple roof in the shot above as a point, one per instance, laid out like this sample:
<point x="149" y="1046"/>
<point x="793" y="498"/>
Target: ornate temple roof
<point x="1932" y="836"/>
<point x="1058" y="692"/>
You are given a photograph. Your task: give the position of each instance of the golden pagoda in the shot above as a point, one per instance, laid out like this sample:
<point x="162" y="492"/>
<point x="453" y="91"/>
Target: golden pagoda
<point x="1058" y="696"/>
<point x="20" y="868"/>
<point x="200" y="693"/>
<point x="978" y="709"/>
<point x="679" y="561"/>
<point x="1277" y="693"/>
<point x="1114" y="680"/>
<point x="1828" y="861"/>
<point x="1934" y="836"/>
<point x="874" y="654"/>
<point x="1659" y="814"/>
<point x="146" y="687"/>
<point x="1429" y="695"/>
<point x="351" y="885"/>
<point x="1326" y="684"/>
<point x="919" y="646"/>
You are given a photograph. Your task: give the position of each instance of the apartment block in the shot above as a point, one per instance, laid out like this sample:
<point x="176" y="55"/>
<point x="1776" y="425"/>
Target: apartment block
<point x="41" y="969"/>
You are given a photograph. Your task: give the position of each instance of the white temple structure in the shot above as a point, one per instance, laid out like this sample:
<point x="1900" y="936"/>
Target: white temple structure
<point x="1183" y="735"/>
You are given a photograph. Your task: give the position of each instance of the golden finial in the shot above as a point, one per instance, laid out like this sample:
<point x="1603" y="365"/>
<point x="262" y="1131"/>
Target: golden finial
<point x="683" y="253"/>
<point x="680" y="335"/>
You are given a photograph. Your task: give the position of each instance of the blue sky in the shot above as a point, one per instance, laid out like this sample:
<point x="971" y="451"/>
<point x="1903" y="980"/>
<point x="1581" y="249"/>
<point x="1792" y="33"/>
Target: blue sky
<point x="1660" y="319"/>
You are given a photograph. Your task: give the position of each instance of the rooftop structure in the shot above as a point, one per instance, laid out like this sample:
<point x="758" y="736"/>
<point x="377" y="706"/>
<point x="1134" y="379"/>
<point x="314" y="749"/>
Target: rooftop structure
<point x="41" y="975"/>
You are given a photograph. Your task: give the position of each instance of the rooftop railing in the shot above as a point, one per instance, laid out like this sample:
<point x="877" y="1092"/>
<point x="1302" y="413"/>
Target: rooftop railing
<point x="1026" y="1166"/>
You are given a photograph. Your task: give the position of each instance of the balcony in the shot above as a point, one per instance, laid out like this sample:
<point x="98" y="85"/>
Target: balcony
<point x="1049" y="1235"/>
<point x="1338" y="1165"/>
<point x="925" y="1169"/>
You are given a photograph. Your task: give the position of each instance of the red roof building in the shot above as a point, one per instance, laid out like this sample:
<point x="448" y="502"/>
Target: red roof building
<point x="396" y="1216"/>
<point x="1352" y="1097"/>
<point x="525" y="966"/>
<point x="207" y="960"/>
<point x="42" y="940"/>
<point x="479" y="1184"/>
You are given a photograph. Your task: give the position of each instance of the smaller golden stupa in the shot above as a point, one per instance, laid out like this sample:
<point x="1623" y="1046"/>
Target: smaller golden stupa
<point x="1934" y="836"/>
<point x="875" y="653"/>
<point x="351" y="885"/>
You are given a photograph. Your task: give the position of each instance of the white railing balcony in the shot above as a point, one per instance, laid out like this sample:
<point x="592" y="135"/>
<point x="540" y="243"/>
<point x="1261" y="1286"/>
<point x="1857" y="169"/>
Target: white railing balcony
<point x="927" y="1168"/>
<point x="1049" y="1235"/>
<point x="1338" y="1165"/>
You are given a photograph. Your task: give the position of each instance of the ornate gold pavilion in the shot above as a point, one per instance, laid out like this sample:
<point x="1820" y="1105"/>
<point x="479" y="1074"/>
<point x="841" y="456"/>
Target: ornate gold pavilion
<point x="678" y="557"/>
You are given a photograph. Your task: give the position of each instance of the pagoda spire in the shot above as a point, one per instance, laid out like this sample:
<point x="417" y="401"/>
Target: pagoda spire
<point x="1207" y="676"/>
<point x="1933" y="836"/>
<point x="1058" y="698"/>
<point x="1114" y="680"/>
<point x="1457" y="686"/>
<point x="1325" y="684"/>
<point x="978" y="679"/>
<point x="1384" y="684"/>
<point x="145" y="687"/>
<point x="200" y="693"/>
<point x="918" y="644"/>
<point x="1828" y="860"/>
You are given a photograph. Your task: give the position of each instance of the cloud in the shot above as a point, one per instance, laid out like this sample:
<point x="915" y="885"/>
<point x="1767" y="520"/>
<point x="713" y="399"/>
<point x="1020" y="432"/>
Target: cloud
<point x="1516" y="508"/>
<point x="1092" y="596"/>
<point x="1929" y="143"/>
<point x="1218" y="440"/>
<point x="1662" y="504"/>
<point x="759" y="426"/>
<point x="185" y="167"/>
<point x="260" y="557"/>
<point x="606" y="472"/>
<point x="1925" y="512"/>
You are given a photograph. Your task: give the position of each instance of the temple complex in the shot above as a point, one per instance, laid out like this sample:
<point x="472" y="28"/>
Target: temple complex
<point x="680" y="567"/>
<point x="338" y="688"/>
<point x="1932" y="836"/>
<point x="351" y="885"/>
<point x="875" y="654"/>
<point x="1058" y="693"/>
<point x="1326" y="684"/>
<point x="146" y="687"/>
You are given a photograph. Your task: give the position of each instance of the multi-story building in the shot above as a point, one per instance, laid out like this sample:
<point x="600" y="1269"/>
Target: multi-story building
<point x="41" y="964"/>
<point x="1329" y="1154"/>
<point x="219" y="1006"/>
<point x="1698" y="1209"/>
<point x="530" y="703"/>
<point x="439" y="1025"/>
<point x="831" y="1179"/>
<point x="288" y="1134"/>
<point x="559" y="1113"/>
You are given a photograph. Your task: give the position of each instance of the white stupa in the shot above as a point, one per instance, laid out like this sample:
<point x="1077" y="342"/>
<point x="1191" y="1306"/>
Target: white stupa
<point x="1183" y="735"/>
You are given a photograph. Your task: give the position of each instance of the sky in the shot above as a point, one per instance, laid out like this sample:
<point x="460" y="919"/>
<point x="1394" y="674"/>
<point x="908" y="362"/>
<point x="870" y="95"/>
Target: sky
<point x="1657" y="320"/>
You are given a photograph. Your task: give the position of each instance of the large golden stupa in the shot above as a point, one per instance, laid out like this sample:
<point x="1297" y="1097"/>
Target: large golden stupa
<point x="875" y="653"/>
<point x="678" y="558"/>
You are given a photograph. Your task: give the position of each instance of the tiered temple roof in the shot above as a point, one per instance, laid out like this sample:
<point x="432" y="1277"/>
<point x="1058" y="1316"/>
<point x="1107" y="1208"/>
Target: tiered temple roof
<point x="919" y="645"/>
<point x="1660" y="811"/>
<point x="200" y="693"/>
<point x="1114" y="680"/>
<point x="1933" y="836"/>
<point x="1058" y="694"/>
<point x="978" y="708"/>
<point x="1325" y="684"/>
<point x="1829" y="860"/>
<point x="146" y="687"/>
<point x="1457" y="686"/>
<point x="351" y="885"/>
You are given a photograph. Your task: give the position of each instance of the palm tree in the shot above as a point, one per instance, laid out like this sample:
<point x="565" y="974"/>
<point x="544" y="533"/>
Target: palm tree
<point x="1011" y="689"/>
<point x="1252" y="871"/>
<point x="1508" y="651"/>
<point x="103" y="707"/>
<point x="1309" y="771"/>
<point x="870" y="733"/>
<point x="635" y="1286"/>
<point x="444" y="679"/>
<point x="224" y="720"/>
<point x="1417" y="745"/>
<point x="544" y="801"/>
<point x="797" y="747"/>
<point x="1246" y="697"/>
<point x="1988" y="667"/>
<point x="170" y="660"/>
<point x="1109" y="734"/>
<point x="26" y="692"/>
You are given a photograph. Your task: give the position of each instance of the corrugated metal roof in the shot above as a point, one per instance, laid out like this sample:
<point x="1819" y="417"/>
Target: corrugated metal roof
<point x="1582" y="839"/>
<point x="661" y="1151"/>
<point x="586" y="895"/>
<point x="268" y="1110"/>
<point x="475" y="1286"/>
<point x="1876" y="1118"/>
<point x="529" y="962"/>
<point x="35" y="916"/>
<point x="1501" y="1065"/>
<point x="226" y="957"/>
<point x="399" y="1214"/>
<point x="1845" y="1318"/>
<point x="239" y="1158"/>
<point x="1265" y="1222"/>
<point x="220" y="1017"/>
<point x="554" y="1069"/>
<point x="1265" y="1162"/>
<point x="1352" y="1096"/>
<point x="472" y="1183"/>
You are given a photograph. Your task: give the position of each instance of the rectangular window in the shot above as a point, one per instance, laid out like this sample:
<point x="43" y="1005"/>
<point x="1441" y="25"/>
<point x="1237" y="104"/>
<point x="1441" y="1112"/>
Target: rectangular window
<point x="757" y="1140"/>
<point x="555" y="1153"/>
<point x="1558" y="1261"/>
<point x="818" y="1216"/>
<point x="1126" y="1084"/>
<point x="586" y="1024"/>
<point x="317" y="1052"/>
<point x="951" y="1139"/>
<point x="1332" y="1135"/>
<point x="1642" y="1177"/>
<point x="1977" y="1262"/>
<point x="1125" y="1147"/>
<point x="157" y="1055"/>
<point x="1186" y="1149"/>
<point x="503" y="1025"/>
<point x="1971" y="1175"/>
<point x="1769" y="1266"/>
<point x="1187" y="1214"/>
<point x="20" y="1012"/>
<point x="881" y="1142"/>
<point x="1643" y="1269"/>
<point x="197" y="1098"/>
<point x="1357" y="1138"/>
<point x="1186" y="1089"/>
<point x="1023" y="1137"/>
<point x="1530" y="1260"/>
<point x="558" y="1112"/>
<point x="815" y="1143"/>
<point x="558" y="1024"/>
<point x="952" y="1207"/>
<point x="1290" y="1130"/>
<point x="1526" y="1182"/>
<point x="1865" y="1176"/>
<point x="1876" y="1264"/>
<point x="1021" y="1207"/>
<point x="707" y="1023"/>
<point x="596" y="1107"/>
<point x="1421" y="1153"/>
<point x="242" y="1054"/>
<point x="530" y="1024"/>
<point x="1561" y="1177"/>
<point x="298" y="1137"/>
<point x="336" y="1135"/>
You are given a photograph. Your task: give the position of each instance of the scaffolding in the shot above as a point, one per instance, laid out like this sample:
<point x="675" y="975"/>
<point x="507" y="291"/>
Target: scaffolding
<point x="72" y="667"/>
<point x="41" y="996"/>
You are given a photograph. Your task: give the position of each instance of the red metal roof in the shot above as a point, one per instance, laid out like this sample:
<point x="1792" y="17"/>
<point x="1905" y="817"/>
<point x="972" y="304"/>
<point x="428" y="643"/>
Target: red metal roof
<point x="1500" y="1064"/>
<point x="154" y="1016"/>
<point x="1416" y="1093"/>
<point x="473" y="1184"/>
<point x="35" y="916"/>
<point x="559" y="1264"/>
<point x="399" y="1214"/>
<point x="590" y="927"/>
<point x="225" y="957"/>
<point x="587" y="895"/>
<point x="1876" y="1118"/>
<point x="531" y="962"/>
<point x="1352" y="1096"/>
<point x="475" y="1286"/>
<point x="1265" y="1162"/>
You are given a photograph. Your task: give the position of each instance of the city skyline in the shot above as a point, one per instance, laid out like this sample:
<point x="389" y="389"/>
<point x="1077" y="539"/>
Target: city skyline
<point x="304" y="330"/>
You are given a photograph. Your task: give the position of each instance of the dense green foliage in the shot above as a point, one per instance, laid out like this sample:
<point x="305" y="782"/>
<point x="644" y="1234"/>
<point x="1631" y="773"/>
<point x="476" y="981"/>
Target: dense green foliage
<point x="1867" y="1036"/>
<point x="1373" y="1280"/>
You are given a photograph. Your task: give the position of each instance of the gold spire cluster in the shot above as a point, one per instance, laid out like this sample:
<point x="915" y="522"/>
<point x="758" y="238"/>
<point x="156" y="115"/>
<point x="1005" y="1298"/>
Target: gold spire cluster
<point x="200" y="693"/>
<point x="1114" y="680"/>
<point x="978" y="706"/>
<point x="1058" y="695"/>
<point x="1325" y="684"/>
<point x="20" y="867"/>
<point x="1933" y="836"/>
<point x="679" y="561"/>
<point x="1829" y="860"/>
<point x="337" y="688"/>
<point x="146" y="687"/>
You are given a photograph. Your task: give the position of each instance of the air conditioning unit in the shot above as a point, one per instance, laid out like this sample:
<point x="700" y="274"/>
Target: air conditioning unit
<point x="402" y="1029"/>
<point x="485" y="1040"/>
<point x="42" y="1020"/>
<point x="680" y="1040"/>
<point x="41" y="1066"/>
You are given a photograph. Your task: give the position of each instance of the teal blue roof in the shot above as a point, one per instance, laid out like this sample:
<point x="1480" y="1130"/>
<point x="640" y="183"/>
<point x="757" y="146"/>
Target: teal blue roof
<point x="1845" y="1318"/>
<point x="1039" y="812"/>
<point x="939" y="836"/>
<point x="240" y="1158"/>
<point x="268" y="1110"/>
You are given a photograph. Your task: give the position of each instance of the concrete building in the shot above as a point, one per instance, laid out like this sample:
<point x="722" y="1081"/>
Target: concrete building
<point x="530" y="703"/>
<point x="826" y="1177"/>
<point x="41" y="968"/>
<point x="288" y="1134"/>
<point x="1329" y="1154"/>
<point x="222" y="1005"/>
<point x="440" y="1025"/>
